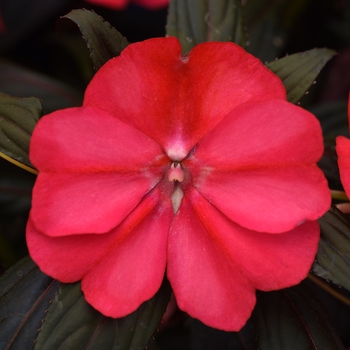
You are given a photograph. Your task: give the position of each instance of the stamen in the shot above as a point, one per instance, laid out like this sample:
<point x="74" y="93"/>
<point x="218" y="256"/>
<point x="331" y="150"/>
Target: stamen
<point x="176" y="173"/>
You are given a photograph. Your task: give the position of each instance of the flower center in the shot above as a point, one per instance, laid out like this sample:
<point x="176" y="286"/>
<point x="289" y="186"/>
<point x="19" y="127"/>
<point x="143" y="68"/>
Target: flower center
<point x="177" y="175"/>
<point x="175" y="172"/>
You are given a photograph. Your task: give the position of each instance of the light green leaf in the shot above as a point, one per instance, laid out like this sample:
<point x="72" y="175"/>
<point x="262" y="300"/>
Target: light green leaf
<point x="299" y="71"/>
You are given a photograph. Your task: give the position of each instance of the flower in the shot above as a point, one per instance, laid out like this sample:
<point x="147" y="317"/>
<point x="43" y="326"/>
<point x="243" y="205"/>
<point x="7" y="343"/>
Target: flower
<point x="343" y="151"/>
<point x="194" y="166"/>
<point x="120" y="4"/>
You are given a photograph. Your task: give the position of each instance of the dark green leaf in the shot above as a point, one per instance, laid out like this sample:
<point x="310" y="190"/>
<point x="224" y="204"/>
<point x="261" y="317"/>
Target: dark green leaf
<point x="73" y="324"/>
<point x="293" y="319"/>
<point x="333" y="256"/>
<point x="196" y="21"/>
<point x="25" y="296"/>
<point x="269" y="23"/>
<point x="103" y="41"/>
<point x="194" y="335"/>
<point x="300" y="70"/>
<point x="18" y="117"/>
<point x="20" y="82"/>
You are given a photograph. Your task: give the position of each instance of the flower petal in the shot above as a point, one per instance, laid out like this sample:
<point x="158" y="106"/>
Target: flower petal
<point x="343" y="152"/>
<point x="66" y="204"/>
<point x="269" y="261"/>
<point x="215" y="265"/>
<point x="206" y="284"/>
<point x="132" y="273"/>
<point x="90" y="140"/>
<point x="176" y="100"/>
<point x="100" y="170"/>
<point x="271" y="200"/>
<point x="258" y="167"/>
<point x="120" y="269"/>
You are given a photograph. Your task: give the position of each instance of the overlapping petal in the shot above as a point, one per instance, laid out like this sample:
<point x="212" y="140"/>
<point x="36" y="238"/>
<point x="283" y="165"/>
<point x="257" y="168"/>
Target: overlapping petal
<point x="90" y="140"/>
<point x="176" y="100"/>
<point x="100" y="171"/>
<point x="262" y="173"/>
<point x="120" y="269"/>
<point x="215" y="265"/>
<point x="205" y="283"/>
<point x="343" y="151"/>
<point x="65" y="204"/>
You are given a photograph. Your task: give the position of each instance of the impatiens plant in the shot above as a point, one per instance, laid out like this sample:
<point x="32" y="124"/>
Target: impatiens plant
<point x="120" y="4"/>
<point x="191" y="167"/>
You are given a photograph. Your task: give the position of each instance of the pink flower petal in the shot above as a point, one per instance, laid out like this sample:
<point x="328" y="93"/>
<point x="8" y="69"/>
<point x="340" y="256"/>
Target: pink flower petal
<point x="262" y="174"/>
<point x="66" y="204"/>
<point x="120" y="269"/>
<point x="90" y="140"/>
<point x="100" y="170"/>
<point x="133" y="271"/>
<point x="343" y="152"/>
<point x="176" y="100"/>
<point x="206" y="284"/>
<point x="215" y="265"/>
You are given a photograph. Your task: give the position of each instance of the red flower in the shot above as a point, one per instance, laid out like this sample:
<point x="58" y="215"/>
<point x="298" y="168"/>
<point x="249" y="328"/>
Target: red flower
<point x="343" y="151"/>
<point x="195" y="166"/>
<point x="120" y="4"/>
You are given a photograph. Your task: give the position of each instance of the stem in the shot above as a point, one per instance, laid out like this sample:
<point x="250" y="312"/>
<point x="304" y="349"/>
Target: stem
<point x="15" y="162"/>
<point x="325" y="286"/>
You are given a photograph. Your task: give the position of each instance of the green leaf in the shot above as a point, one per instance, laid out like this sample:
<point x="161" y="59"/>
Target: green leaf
<point x="73" y="324"/>
<point x="196" y="21"/>
<point x="18" y="117"/>
<point x="293" y="319"/>
<point x="300" y="70"/>
<point x="333" y="256"/>
<point x="103" y="40"/>
<point x="194" y="335"/>
<point x="25" y="296"/>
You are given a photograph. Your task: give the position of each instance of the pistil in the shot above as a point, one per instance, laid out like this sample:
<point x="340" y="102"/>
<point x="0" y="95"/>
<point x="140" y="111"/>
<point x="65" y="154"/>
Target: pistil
<point x="176" y="175"/>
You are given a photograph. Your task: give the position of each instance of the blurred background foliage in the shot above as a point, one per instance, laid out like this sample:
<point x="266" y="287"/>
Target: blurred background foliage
<point x="45" y="57"/>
